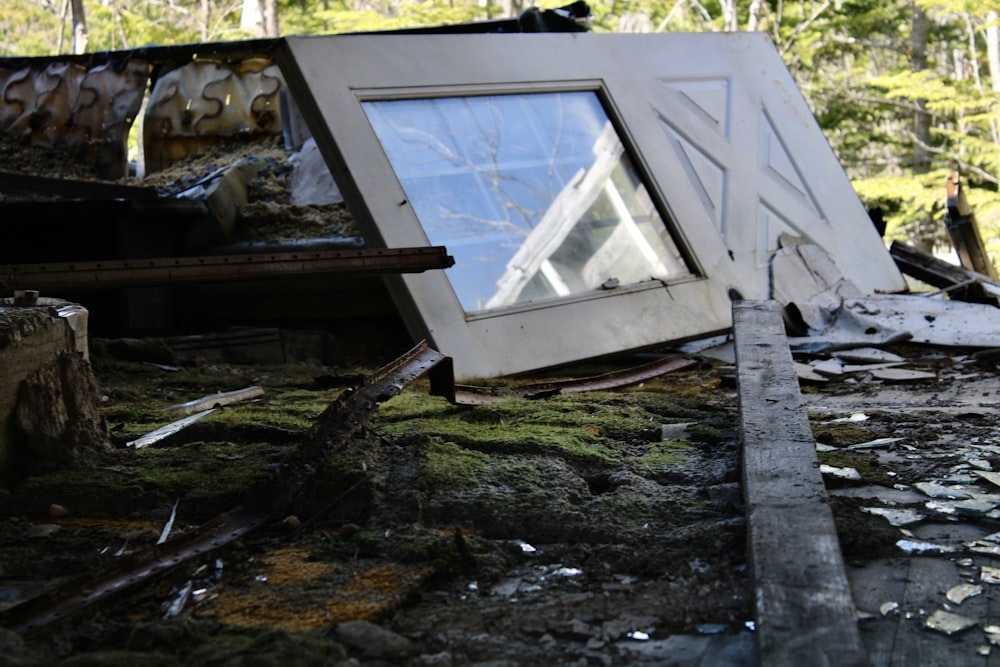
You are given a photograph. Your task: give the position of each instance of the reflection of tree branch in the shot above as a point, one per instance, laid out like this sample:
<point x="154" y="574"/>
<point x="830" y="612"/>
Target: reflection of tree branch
<point x="493" y="174"/>
<point x="503" y="225"/>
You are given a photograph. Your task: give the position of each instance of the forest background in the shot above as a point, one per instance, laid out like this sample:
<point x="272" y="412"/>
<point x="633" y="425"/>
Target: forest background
<point x="906" y="91"/>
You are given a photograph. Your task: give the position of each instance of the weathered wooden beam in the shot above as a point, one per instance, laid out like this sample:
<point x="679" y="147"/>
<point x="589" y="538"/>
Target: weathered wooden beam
<point x="115" y="274"/>
<point x="805" y="614"/>
<point x="964" y="230"/>
<point x="962" y="284"/>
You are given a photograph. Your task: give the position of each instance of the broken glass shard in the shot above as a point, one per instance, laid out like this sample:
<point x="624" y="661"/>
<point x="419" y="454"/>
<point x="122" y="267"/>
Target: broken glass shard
<point x="525" y="547"/>
<point x="896" y="517"/>
<point x="568" y="572"/>
<point x="856" y="417"/>
<point x="921" y="547"/>
<point x="638" y="635"/>
<point x="901" y="375"/>
<point x="976" y="506"/>
<point x="875" y="444"/>
<point x="962" y="592"/>
<point x="847" y="474"/>
<point x="888" y="607"/>
<point x="828" y="367"/>
<point x="948" y="623"/>
<point x="533" y="194"/>
<point x="985" y="548"/>
<point x="991" y="477"/>
<point x="935" y="490"/>
<point x="169" y="526"/>
<point x="867" y="355"/>
<point x="181" y="599"/>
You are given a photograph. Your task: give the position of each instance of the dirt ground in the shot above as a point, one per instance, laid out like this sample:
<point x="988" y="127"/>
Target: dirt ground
<point x="600" y="528"/>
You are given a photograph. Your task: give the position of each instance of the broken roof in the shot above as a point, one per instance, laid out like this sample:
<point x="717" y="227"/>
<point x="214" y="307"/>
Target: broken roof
<point x="615" y="199"/>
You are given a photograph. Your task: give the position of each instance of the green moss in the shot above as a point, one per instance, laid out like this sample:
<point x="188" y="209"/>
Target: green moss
<point x="664" y="454"/>
<point x="709" y="434"/>
<point x="447" y="463"/>
<point x="213" y="475"/>
<point x="841" y="434"/>
<point x="590" y="427"/>
<point x="447" y="550"/>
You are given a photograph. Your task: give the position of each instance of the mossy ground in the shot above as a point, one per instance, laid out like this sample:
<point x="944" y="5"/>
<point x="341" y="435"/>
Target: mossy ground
<point x="426" y="498"/>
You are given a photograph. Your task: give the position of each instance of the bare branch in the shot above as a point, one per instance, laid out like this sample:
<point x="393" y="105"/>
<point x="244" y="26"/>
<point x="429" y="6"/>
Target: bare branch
<point x="802" y="26"/>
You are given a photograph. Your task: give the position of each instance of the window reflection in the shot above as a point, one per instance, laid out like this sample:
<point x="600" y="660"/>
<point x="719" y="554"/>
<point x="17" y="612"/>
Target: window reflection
<point x="533" y="194"/>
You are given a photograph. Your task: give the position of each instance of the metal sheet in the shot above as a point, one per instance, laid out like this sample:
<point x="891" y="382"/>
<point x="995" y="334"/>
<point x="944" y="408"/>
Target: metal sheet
<point x="86" y="110"/>
<point x="727" y="146"/>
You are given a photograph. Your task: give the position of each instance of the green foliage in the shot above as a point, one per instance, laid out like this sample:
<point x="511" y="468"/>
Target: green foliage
<point x="27" y="29"/>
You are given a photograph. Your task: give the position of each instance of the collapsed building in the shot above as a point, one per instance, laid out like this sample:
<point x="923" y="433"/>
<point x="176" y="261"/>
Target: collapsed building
<point x="517" y="217"/>
<point x="572" y="196"/>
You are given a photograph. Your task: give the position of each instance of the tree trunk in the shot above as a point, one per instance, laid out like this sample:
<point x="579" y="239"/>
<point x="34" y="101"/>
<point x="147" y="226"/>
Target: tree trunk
<point x="271" y="28"/>
<point x="926" y="230"/>
<point x="993" y="48"/>
<point x="260" y="17"/>
<point x="79" y="27"/>
<point x="919" y="30"/>
<point x="206" y="18"/>
<point x="250" y="17"/>
<point x="732" y="19"/>
<point x="754" y="19"/>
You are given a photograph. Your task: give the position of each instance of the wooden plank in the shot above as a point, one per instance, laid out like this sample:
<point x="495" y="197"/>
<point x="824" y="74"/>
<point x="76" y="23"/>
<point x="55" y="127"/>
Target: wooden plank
<point x="146" y="272"/>
<point x="805" y="612"/>
<point x="961" y="283"/>
<point x="216" y="400"/>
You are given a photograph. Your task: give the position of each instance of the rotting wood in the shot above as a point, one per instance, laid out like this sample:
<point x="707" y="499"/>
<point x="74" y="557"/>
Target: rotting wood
<point x="339" y="422"/>
<point x="964" y="231"/>
<point x="962" y="284"/>
<point x="116" y="274"/>
<point x="215" y="400"/>
<point x="805" y="612"/>
<point x="472" y="395"/>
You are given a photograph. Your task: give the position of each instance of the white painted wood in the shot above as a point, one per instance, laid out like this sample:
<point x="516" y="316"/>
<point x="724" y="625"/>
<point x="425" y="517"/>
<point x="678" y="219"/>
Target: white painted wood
<point x="730" y="150"/>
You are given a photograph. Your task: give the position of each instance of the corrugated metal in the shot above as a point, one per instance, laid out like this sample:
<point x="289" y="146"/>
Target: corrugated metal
<point x="84" y="110"/>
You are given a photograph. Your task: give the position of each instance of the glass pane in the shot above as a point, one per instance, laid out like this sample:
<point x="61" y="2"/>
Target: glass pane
<point x="533" y="194"/>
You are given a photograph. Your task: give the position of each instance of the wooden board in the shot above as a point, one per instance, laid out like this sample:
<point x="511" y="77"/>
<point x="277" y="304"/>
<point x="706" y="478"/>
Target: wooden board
<point x="805" y="612"/>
